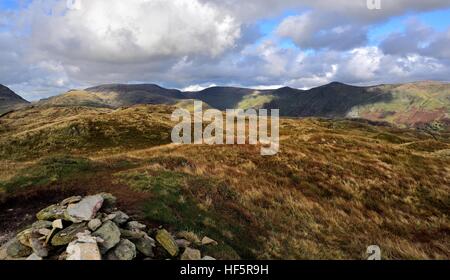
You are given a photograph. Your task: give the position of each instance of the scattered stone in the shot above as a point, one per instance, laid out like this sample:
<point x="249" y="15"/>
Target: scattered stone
<point x="68" y="234"/>
<point x="18" y="250"/>
<point x="25" y="236"/>
<point x="38" y="246"/>
<point x="208" y="258"/>
<point x="94" y="224"/>
<point x="90" y="228"/>
<point x="129" y="234"/>
<point x="57" y="224"/>
<point x="189" y="236"/>
<point x="124" y="251"/>
<point x="120" y="218"/>
<point x="86" y="209"/>
<point x="208" y="241"/>
<point x="133" y="225"/>
<point x="166" y="240"/>
<point x="110" y="234"/>
<point x="85" y="248"/>
<point x="71" y="200"/>
<point x="145" y="245"/>
<point x="109" y="217"/>
<point x="183" y="243"/>
<point x="190" y="254"/>
<point x="34" y="257"/>
<point x="41" y="224"/>
<point x="52" y="212"/>
<point x="44" y="231"/>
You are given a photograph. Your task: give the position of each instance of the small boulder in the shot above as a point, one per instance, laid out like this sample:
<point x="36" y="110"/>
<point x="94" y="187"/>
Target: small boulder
<point x="208" y="258"/>
<point x="166" y="240"/>
<point x="183" y="243"/>
<point x="25" y="236"/>
<point x="52" y="212"/>
<point x="70" y="200"/>
<point x="208" y="241"/>
<point x="124" y="251"/>
<point x="38" y="246"/>
<point x="190" y="254"/>
<point x="85" y="248"/>
<point x="94" y="224"/>
<point x="189" y="236"/>
<point x="57" y="224"/>
<point x="41" y="224"/>
<point x="18" y="250"/>
<point x="68" y="234"/>
<point x="120" y="218"/>
<point x="110" y="234"/>
<point x="34" y="257"/>
<point x="133" y="225"/>
<point x="130" y="234"/>
<point x="145" y="245"/>
<point x="86" y="209"/>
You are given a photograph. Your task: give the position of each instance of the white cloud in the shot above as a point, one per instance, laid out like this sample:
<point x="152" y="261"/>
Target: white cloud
<point x="131" y="31"/>
<point x="47" y="48"/>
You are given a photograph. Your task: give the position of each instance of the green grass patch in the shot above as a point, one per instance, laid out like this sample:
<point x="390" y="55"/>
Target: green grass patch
<point x="48" y="170"/>
<point x="179" y="200"/>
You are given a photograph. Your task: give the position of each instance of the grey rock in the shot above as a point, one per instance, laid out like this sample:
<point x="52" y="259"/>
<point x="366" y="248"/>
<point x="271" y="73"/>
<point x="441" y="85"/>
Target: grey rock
<point x="94" y="224"/>
<point x="86" y="209"/>
<point x="41" y="225"/>
<point x="85" y="248"/>
<point x="110" y="234"/>
<point x="18" y="250"/>
<point x="145" y="245"/>
<point x="183" y="243"/>
<point x="208" y="258"/>
<point x="190" y="254"/>
<point x="120" y="218"/>
<point x="34" y="257"/>
<point x="124" y="251"/>
<point x="132" y="234"/>
<point x="38" y="246"/>
<point x="133" y="225"/>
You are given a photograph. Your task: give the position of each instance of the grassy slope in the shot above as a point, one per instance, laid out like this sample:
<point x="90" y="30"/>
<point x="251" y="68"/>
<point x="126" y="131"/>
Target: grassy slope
<point x="335" y="187"/>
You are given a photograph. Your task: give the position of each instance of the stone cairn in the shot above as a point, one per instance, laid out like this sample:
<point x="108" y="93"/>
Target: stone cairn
<point x="91" y="228"/>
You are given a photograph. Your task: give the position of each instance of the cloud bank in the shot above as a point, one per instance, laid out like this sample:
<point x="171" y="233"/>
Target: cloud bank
<point x="49" y="46"/>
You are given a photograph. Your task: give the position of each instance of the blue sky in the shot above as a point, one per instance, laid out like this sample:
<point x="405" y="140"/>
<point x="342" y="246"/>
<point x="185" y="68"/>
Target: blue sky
<point x="196" y="43"/>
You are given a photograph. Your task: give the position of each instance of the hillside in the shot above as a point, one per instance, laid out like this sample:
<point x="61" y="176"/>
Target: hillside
<point x="115" y="95"/>
<point x="9" y="100"/>
<point x="414" y="104"/>
<point x="336" y="186"/>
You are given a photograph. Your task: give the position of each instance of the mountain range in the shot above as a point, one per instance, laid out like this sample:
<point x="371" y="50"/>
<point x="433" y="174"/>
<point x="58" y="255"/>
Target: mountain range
<point x="410" y="104"/>
<point x="9" y="100"/>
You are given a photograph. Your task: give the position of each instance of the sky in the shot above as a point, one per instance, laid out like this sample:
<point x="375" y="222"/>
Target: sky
<point x="50" y="46"/>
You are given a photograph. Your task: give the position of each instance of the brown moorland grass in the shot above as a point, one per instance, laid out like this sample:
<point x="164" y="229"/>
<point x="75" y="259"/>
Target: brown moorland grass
<point x="336" y="186"/>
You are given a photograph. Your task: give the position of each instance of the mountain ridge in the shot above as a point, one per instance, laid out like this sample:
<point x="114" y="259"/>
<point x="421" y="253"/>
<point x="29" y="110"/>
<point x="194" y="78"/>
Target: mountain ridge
<point x="9" y="100"/>
<point x="408" y="104"/>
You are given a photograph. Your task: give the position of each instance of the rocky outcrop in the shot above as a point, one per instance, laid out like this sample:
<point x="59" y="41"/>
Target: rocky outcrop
<point x="91" y="228"/>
